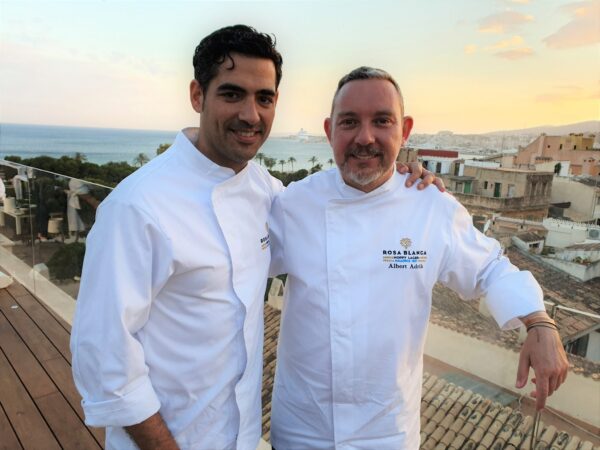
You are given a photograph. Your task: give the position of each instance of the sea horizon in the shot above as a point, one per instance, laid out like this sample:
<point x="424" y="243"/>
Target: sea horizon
<point x="103" y="145"/>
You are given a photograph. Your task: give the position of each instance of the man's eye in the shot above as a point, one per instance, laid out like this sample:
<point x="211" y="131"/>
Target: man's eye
<point x="347" y="122"/>
<point x="265" y="100"/>
<point x="231" y="95"/>
<point x="383" y="121"/>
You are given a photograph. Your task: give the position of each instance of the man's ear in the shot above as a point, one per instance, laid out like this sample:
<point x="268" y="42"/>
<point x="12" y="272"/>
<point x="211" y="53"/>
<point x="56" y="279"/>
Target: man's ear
<point x="196" y="96"/>
<point x="407" y="125"/>
<point x="327" y="126"/>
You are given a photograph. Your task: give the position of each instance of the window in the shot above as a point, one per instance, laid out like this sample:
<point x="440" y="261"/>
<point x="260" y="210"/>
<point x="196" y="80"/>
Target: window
<point x="438" y="168"/>
<point x="485" y="184"/>
<point x="560" y="148"/>
<point x="574" y="147"/>
<point x="578" y="347"/>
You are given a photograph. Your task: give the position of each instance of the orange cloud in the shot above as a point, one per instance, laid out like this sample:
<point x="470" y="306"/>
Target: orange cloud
<point x="470" y="49"/>
<point x="515" y="54"/>
<point x="515" y="41"/>
<point x="503" y="22"/>
<point x="582" y="30"/>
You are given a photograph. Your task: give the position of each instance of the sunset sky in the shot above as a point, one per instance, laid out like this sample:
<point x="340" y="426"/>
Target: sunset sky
<point x="463" y="65"/>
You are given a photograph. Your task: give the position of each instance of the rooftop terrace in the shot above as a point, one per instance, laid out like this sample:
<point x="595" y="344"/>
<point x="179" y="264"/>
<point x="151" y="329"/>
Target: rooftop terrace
<point x="39" y="405"/>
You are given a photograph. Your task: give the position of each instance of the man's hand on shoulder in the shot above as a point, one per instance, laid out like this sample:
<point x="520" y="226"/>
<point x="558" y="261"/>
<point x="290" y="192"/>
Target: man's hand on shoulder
<point x="416" y="171"/>
<point x="542" y="351"/>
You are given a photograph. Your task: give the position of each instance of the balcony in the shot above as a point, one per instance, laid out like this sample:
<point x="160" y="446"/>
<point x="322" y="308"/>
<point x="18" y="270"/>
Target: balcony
<point x="468" y="398"/>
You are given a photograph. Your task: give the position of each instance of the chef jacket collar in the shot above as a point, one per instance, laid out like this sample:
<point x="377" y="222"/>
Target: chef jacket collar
<point x="200" y="163"/>
<point x="348" y="192"/>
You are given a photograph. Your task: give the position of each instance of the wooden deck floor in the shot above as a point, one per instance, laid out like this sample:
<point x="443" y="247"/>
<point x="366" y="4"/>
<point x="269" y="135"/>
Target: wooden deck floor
<point x="39" y="405"/>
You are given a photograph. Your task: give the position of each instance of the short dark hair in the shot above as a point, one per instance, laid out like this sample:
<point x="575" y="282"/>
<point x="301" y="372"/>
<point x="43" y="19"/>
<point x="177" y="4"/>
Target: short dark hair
<point x="367" y="73"/>
<point x="212" y="51"/>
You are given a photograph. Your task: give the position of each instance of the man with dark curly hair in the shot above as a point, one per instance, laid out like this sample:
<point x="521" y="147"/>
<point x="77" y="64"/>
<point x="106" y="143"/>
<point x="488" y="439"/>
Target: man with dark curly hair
<point x="167" y="338"/>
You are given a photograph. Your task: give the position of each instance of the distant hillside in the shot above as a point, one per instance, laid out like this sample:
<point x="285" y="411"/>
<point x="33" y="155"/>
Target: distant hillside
<point x="591" y="126"/>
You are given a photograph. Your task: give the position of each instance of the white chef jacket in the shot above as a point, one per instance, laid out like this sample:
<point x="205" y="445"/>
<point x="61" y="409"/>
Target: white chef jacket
<point x="170" y="310"/>
<point x="361" y="268"/>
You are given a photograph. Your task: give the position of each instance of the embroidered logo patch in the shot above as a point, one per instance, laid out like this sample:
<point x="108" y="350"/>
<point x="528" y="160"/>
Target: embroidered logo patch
<point x="405" y="259"/>
<point x="265" y="241"/>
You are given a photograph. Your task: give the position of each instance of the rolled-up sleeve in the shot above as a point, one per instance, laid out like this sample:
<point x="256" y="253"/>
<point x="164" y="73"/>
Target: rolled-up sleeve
<point x="128" y="259"/>
<point x="476" y="266"/>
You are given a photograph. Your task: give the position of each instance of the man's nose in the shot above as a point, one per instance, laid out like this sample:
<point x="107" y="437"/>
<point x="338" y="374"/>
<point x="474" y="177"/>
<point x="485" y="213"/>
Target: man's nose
<point x="249" y="112"/>
<point x="365" y="136"/>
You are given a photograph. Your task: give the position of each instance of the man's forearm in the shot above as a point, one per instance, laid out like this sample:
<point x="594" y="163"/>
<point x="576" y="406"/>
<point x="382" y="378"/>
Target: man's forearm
<point x="152" y="433"/>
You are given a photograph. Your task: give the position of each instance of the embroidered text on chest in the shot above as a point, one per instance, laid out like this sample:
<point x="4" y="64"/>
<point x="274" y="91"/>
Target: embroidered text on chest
<point x="409" y="258"/>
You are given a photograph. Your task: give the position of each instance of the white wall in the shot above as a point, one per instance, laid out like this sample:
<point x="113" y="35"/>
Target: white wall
<point x="432" y="162"/>
<point x="486" y="164"/>
<point x="578" y="397"/>
<point x="562" y="233"/>
<point x="570" y="255"/>
<point x="583" y="198"/>
<point x="579" y="271"/>
<point x="549" y="167"/>
<point x="593" y="349"/>
<point x="528" y="246"/>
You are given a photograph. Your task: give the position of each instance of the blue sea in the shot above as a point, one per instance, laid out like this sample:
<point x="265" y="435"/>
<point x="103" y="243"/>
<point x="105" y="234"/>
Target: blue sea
<point x="102" y="145"/>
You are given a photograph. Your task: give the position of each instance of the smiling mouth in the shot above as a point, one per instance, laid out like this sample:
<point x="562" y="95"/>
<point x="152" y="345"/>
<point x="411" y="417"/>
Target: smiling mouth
<point x="246" y="133"/>
<point x="364" y="153"/>
<point x="365" y="157"/>
<point x="247" y="136"/>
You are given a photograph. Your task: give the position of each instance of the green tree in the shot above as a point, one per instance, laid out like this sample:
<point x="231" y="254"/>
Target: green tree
<point x="108" y="174"/>
<point x="80" y="157"/>
<point x="269" y="162"/>
<point x="140" y="159"/>
<point x="330" y="161"/>
<point x="313" y="160"/>
<point x="292" y="160"/>
<point x="260" y="157"/>
<point x="162" y="148"/>
<point x="557" y="168"/>
<point x="282" y="162"/>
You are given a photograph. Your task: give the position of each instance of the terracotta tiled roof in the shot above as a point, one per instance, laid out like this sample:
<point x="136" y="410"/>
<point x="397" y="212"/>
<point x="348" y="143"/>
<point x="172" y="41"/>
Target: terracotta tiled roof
<point x="272" y="317"/>
<point x="449" y="311"/>
<point x="563" y="290"/>
<point x="452" y="417"/>
<point x="438" y="153"/>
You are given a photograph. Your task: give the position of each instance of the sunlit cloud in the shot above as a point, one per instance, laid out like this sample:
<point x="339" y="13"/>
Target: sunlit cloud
<point x="518" y="2"/>
<point x="512" y="49"/>
<point x="515" y="54"/>
<point x="515" y="41"/>
<point x="583" y="28"/>
<point x="503" y="22"/>
<point x="470" y="49"/>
